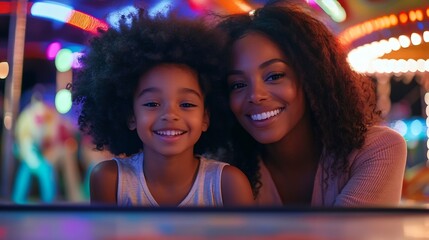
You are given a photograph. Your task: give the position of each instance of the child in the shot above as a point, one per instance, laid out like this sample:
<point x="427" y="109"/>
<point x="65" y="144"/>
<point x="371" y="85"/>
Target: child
<point x="144" y="92"/>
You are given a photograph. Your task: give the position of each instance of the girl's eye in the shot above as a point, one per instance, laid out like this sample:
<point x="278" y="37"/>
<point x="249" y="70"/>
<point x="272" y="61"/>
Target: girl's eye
<point x="187" y="105"/>
<point x="236" y="85"/>
<point x="151" y="104"/>
<point x="275" y="76"/>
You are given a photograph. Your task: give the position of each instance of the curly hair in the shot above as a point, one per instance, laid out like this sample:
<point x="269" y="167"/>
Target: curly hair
<point x="104" y="88"/>
<point x="342" y="102"/>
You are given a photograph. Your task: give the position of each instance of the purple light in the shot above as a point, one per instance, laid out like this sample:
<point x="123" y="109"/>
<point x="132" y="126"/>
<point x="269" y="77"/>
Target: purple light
<point x="52" y="50"/>
<point x="76" y="63"/>
<point x="311" y="3"/>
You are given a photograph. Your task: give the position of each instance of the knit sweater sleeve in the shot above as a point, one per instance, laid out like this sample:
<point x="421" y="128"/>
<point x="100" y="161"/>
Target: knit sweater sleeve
<point x="377" y="171"/>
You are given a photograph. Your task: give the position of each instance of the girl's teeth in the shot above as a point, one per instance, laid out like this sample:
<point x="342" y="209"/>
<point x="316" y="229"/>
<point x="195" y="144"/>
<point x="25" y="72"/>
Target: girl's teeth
<point x="265" y="115"/>
<point x="169" y="133"/>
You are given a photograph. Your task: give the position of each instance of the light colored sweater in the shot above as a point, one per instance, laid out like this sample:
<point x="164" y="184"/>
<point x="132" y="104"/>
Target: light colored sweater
<point x="375" y="177"/>
<point x="133" y="189"/>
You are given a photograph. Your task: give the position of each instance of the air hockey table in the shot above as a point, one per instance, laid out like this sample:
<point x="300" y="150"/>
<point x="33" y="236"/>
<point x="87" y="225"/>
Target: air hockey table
<point x="89" y="222"/>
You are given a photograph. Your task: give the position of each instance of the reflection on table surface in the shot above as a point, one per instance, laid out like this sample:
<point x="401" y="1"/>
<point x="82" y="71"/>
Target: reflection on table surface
<point x="85" y="222"/>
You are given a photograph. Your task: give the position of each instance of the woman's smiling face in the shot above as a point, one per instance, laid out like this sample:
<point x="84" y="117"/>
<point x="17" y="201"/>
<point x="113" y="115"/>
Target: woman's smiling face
<point x="265" y="95"/>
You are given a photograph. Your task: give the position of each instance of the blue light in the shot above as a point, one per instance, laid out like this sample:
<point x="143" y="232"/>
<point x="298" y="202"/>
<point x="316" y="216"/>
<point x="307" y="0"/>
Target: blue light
<point x="114" y="17"/>
<point x="400" y="126"/>
<point x="413" y="129"/>
<point x="416" y="127"/>
<point x="52" y="10"/>
<point x="162" y="8"/>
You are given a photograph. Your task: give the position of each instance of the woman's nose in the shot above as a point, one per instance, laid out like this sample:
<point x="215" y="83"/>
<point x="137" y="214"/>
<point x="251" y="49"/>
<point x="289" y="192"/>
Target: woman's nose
<point x="257" y="93"/>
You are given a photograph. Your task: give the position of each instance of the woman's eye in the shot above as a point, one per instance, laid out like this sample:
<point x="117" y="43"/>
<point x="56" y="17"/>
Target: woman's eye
<point x="151" y="104"/>
<point x="187" y="105"/>
<point x="275" y="76"/>
<point x="237" y="85"/>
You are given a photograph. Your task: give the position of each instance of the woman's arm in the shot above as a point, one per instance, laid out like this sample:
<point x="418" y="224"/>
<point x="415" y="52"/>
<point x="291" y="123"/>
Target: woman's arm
<point x="104" y="183"/>
<point x="377" y="172"/>
<point x="236" y="190"/>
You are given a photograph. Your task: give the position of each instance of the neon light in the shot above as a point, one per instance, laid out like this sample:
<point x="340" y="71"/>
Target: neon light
<point x="66" y="14"/>
<point x="311" y="2"/>
<point x="86" y="22"/>
<point x="162" y="8"/>
<point x="400" y="126"/>
<point x="426" y="98"/>
<point x="63" y="101"/>
<point x="416" y="39"/>
<point x="76" y="63"/>
<point x="411" y="129"/>
<point x="361" y="30"/>
<point x="366" y="58"/>
<point x="403" y="17"/>
<point x="416" y="127"/>
<point x="114" y="17"/>
<point x="64" y="60"/>
<point x="59" y="12"/>
<point x="52" y="50"/>
<point x="4" y="69"/>
<point x="243" y="6"/>
<point x="333" y="8"/>
<point x="5" y="7"/>
<point x="52" y="10"/>
<point x="419" y="15"/>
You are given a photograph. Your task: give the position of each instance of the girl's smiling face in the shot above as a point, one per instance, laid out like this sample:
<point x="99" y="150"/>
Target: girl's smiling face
<point x="169" y="112"/>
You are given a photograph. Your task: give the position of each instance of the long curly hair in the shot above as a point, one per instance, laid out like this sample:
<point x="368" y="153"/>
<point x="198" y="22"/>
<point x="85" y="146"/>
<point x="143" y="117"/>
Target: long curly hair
<point x="342" y="102"/>
<point x="103" y="89"/>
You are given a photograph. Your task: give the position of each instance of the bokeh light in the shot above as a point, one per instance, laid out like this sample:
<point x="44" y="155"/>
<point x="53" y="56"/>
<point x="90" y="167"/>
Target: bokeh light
<point x="4" y="69"/>
<point x="63" y="102"/>
<point x="52" y="50"/>
<point x="64" y="60"/>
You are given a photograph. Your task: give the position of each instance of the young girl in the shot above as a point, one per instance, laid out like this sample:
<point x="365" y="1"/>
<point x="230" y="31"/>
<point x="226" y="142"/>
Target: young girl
<point x="306" y="128"/>
<point x="145" y="92"/>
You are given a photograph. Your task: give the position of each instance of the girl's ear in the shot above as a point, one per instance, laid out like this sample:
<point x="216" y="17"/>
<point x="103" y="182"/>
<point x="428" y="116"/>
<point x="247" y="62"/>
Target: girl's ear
<point x="132" y="123"/>
<point x="206" y="120"/>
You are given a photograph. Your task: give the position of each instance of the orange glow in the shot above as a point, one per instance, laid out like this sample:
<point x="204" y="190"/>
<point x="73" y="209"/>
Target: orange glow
<point x="77" y="19"/>
<point x="427" y="12"/>
<point x="403" y="18"/>
<point x="243" y="5"/>
<point x="419" y="15"/>
<point x="86" y="22"/>
<point x="386" y="22"/>
<point x="356" y="32"/>
<point x="231" y="6"/>
<point x="368" y="27"/>
<point x="393" y="20"/>
<point x="413" y="16"/>
<point x="365" y="28"/>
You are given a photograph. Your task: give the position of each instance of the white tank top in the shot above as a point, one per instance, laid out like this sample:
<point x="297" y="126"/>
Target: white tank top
<point x="133" y="189"/>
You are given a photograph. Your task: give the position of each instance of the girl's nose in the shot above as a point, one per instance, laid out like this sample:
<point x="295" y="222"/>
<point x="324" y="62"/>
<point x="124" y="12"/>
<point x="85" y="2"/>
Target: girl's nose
<point x="170" y="114"/>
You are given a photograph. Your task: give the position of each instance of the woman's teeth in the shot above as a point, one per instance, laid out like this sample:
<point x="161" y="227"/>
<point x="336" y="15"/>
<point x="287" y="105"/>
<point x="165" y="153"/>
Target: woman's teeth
<point x="265" y="115"/>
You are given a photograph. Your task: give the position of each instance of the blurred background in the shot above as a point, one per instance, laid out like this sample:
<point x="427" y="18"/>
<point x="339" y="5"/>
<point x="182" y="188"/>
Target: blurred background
<point x="44" y="158"/>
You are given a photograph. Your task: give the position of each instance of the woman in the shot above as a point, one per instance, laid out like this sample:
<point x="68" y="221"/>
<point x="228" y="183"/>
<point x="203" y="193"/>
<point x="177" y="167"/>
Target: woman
<point x="306" y="129"/>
